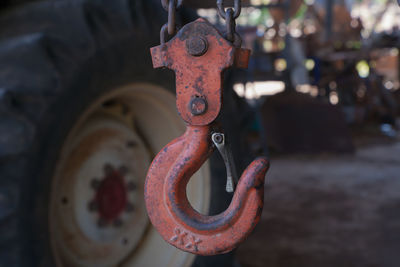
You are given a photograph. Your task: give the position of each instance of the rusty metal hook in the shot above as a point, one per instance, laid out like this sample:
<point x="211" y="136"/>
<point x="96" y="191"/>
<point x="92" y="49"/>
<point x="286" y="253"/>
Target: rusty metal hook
<point x="173" y="216"/>
<point x="199" y="54"/>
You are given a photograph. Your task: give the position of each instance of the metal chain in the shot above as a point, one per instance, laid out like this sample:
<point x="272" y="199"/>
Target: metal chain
<point x="169" y="29"/>
<point x="230" y="15"/>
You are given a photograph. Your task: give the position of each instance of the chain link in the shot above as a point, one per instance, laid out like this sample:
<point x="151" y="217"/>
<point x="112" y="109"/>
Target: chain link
<point x="164" y="33"/>
<point x="230" y="15"/>
<point x="169" y="29"/>
<point x="237" y="8"/>
<point x="230" y="25"/>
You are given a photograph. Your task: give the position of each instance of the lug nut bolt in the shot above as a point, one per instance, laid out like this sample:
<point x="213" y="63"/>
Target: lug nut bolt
<point x="123" y="170"/>
<point x="108" y="168"/>
<point x="117" y="223"/>
<point x="92" y="206"/>
<point x="131" y="186"/>
<point x="95" y="183"/>
<point x="101" y="223"/>
<point x="129" y="207"/>
<point x="131" y="144"/>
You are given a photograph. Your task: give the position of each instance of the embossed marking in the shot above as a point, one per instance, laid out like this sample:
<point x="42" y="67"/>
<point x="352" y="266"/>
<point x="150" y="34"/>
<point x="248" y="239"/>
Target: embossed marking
<point x="193" y="243"/>
<point x="179" y="236"/>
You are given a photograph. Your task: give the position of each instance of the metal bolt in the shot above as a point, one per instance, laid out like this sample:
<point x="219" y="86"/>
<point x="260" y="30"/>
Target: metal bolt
<point x="117" y="222"/>
<point x="131" y="186"/>
<point x="123" y="170"/>
<point x="92" y="206"/>
<point x="95" y="183"/>
<point x="108" y="168"/>
<point x="218" y="138"/>
<point x="197" y="106"/>
<point x="129" y="207"/>
<point x="101" y="223"/>
<point x="196" y="46"/>
<point x="131" y="144"/>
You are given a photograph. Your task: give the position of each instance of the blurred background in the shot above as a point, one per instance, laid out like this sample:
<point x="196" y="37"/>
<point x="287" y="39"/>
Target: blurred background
<point x="82" y="113"/>
<point x="323" y="84"/>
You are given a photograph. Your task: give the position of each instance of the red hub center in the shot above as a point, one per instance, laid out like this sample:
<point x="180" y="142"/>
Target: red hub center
<point x="111" y="196"/>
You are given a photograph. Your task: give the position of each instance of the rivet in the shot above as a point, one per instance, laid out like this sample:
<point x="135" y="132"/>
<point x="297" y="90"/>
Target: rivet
<point x="218" y="138"/>
<point x="197" y="106"/>
<point x="196" y="46"/>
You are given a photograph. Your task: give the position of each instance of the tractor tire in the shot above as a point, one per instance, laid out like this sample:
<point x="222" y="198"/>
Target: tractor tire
<point x="73" y="73"/>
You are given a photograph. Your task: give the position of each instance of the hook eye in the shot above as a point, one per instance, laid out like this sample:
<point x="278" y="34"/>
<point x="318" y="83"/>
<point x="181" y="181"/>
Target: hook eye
<point x="226" y="153"/>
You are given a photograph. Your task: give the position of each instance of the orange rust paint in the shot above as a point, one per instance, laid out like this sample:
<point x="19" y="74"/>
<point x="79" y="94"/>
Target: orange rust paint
<point x="199" y="76"/>
<point x="198" y="68"/>
<point x="171" y="213"/>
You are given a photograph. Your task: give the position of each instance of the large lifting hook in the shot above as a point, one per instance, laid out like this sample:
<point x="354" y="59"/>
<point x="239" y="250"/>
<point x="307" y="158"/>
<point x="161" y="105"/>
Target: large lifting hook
<point x="199" y="54"/>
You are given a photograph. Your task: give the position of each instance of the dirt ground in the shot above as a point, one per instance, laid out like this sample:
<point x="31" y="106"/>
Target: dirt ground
<point x="330" y="210"/>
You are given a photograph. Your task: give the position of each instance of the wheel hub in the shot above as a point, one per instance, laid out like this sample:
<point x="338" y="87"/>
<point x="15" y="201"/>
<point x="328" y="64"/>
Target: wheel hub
<point x="97" y="211"/>
<point x="111" y="197"/>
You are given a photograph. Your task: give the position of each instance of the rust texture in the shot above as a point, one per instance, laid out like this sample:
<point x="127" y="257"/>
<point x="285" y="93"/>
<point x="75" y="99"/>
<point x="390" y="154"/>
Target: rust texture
<point x="199" y="54"/>
<point x="199" y="76"/>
